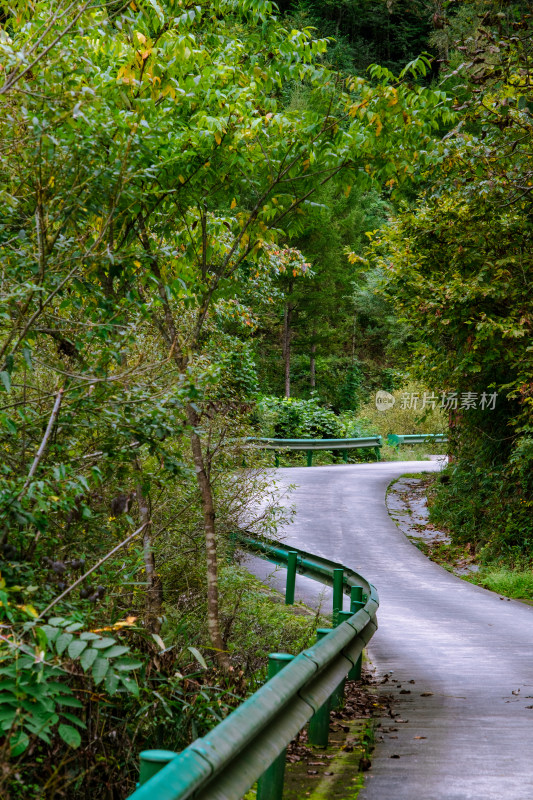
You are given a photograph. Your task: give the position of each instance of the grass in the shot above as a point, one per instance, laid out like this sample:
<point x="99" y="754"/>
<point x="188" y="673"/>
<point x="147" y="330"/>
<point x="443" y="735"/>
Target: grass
<point x="505" y="581"/>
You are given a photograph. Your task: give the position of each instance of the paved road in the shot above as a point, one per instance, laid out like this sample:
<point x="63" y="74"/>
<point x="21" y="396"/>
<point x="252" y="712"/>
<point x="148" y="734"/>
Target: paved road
<point x="464" y="656"/>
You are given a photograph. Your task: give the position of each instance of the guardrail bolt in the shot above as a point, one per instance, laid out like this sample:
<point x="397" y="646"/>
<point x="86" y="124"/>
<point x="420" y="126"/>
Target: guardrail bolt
<point x="152" y="761"/>
<point x="292" y="558"/>
<point x="270" y="784"/>
<point x="318" y="730"/>
<point x="338" y="581"/>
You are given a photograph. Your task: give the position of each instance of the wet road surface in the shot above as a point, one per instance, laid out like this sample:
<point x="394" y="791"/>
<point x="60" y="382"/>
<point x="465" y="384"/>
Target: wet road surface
<point x="457" y="659"/>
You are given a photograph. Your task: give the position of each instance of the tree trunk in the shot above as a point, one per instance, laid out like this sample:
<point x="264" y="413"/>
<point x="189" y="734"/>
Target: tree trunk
<point x="208" y="510"/>
<point x="312" y="366"/>
<point x="287" y="347"/>
<point x="169" y="331"/>
<point x="154" y="590"/>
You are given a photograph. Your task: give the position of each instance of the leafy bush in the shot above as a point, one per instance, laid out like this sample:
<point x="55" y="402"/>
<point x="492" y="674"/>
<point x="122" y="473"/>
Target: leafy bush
<point x="291" y="418"/>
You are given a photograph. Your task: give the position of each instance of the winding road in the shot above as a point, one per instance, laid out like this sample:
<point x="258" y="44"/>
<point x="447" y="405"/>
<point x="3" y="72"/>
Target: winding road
<point x="457" y="659"/>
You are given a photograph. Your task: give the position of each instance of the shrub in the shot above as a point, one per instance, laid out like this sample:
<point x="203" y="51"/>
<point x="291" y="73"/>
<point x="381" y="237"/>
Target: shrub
<point x="291" y="418"/>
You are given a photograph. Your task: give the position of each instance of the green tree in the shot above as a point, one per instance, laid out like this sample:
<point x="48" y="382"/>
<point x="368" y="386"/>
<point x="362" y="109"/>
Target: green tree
<point x="459" y="267"/>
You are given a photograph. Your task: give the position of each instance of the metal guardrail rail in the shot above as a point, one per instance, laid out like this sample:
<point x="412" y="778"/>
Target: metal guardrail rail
<point x="311" y="445"/>
<point x="249" y="745"/>
<point x="415" y="438"/>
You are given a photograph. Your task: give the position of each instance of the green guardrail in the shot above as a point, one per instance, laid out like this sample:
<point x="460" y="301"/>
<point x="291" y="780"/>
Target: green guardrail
<point x="250" y="744"/>
<point x="415" y="438"/>
<point x="311" y="445"/>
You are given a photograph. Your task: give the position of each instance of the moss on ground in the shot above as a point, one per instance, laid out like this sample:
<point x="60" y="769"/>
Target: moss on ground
<point x="334" y="772"/>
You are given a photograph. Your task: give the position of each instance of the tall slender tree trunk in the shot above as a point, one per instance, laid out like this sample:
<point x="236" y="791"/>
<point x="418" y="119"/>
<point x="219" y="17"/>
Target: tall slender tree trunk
<point x="169" y="331"/>
<point x="287" y="316"/>
<point x="312" y="366"/>
<point x="154" y="590"/>
<point x="208" y="510"/>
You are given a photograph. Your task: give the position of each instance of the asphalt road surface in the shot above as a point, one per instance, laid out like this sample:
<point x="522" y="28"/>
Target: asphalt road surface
<point x="457" y="659"/>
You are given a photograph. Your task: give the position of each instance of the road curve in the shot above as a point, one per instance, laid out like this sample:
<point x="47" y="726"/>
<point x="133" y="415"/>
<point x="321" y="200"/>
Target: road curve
<point x="461" y="658"/>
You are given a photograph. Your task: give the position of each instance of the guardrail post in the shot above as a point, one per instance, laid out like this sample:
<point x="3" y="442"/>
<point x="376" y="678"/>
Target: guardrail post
<point x="345" y="455"/>
<point x="270" y="784"/>
<point x="338" y="581"/>
<point x="338" y="695"/>
<point x="292" y="558"/>
<point x="309" y="458"/>
<point x="276" y="459"/>
<point x="151" y="761"/>
<point x="356" y="598"/>
<point x="318" y="730"/>
<point x="357" y="602"/>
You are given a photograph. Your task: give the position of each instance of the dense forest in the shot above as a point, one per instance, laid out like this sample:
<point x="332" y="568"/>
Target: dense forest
<point x="221" y="220"/>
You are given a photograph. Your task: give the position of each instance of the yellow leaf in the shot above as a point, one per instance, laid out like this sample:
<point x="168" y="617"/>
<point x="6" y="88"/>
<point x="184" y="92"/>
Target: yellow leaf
<point x="347" y="191"/>
<point x="233" y="203"/>
<point x="181" y="179"/>
<point x="137" y="263"/>
<point x="140" y="36"/>
<point x="217" y="138"/>
<point x="29" y="610"/>
<point x="379" y="125"/>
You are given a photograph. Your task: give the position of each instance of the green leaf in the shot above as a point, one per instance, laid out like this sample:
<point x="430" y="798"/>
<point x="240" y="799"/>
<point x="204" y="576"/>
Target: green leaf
<point x="26" y="352"/>
<point x="198" y="656"/>
<point x="72" y="702"/>
<point x="70" y="735"/>
<point x="126" y="664"/>
<point x="100" y="667"/>
<point x="76" y="648"/>
<point x="104" y="642"/>
<point x="87" y="636"/>
<point x="111" y="682"/>
<point x="74" y="627"/>
<point x="6" y="380"/>
<point x="18" y="743"/>
<point x="88" y="658"/>
<point x="50" y="632"/>
<point x="116" y="650"/>
<point x="130" y="685"/>
<point x="62" y="642"/>
<point x="73" y="719"/>
<point x="158" y="10"/>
